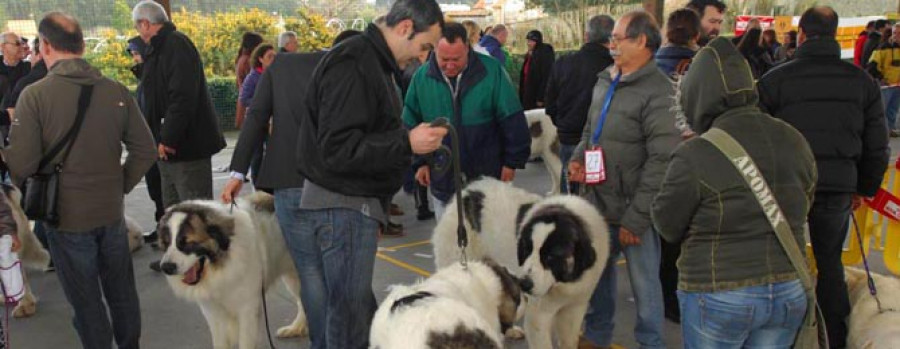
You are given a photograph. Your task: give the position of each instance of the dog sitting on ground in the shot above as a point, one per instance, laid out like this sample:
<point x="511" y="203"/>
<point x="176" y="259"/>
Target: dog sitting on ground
<point x="869" y="329"/>
<point x="222" y="258"/>
<point x="559" y="245"/>
<point x="457" y="307"/>
<point x="545" y="144"/>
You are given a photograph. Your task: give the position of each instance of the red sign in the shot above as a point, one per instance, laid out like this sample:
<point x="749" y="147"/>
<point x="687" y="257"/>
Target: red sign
<point x="886" y="204"/>
<point x="741" y="22"/>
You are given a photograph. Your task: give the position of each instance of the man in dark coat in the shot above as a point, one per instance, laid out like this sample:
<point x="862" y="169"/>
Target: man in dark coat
<point x="12" y="68"/>
<point x="174" y="90"/>
<point x="570" y="86"/>
<point x="849" y="140"/>
<point x="535" y="71"/>
<point x="874" y="40"/>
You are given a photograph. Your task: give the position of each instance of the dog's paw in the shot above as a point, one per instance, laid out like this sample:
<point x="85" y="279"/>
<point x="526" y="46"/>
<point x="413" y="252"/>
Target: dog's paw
<point x="292" y="331"/>
<point x="26" y="308"/>
<point x="515" y="332"/>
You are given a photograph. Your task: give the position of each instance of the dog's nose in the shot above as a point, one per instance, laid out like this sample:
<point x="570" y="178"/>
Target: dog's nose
<point x="527" y="285"/>
<point x="168" y="268"/>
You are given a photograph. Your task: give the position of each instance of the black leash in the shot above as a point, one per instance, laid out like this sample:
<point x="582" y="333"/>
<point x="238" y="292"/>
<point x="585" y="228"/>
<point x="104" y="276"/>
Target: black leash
<point x="872" y="290"/>
<point x="462" y="239"/>
<point x="262" y="291"/>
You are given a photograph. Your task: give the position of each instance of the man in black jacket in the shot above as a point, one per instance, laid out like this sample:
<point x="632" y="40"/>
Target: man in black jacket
<point x="849" y="139"/>
<point x="174" y="90"/>
<point x="874" y="40"/>
<point x="12" y="68"/>
<point x="353" y="151"/>
<point x="535" y="71"/>
<point x="570" y="86"/>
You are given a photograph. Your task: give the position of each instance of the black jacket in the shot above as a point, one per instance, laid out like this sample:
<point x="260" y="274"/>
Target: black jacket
<point x="174" y="89"/>
<point x="837" y="107"/>
<point x="541" y="63"/>
<point x="39" y="71"/>
<point x="276" y="100"/>
<point x="9" y="76"/>
<point x="351" y="139"/>
<point x="570" y="87"/>
<point x="871" y="45"/>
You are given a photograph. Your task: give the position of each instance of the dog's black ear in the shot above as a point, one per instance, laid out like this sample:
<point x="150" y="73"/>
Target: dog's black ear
<point x="536" y="129"/>
<point x="473" y="204"/>
<point x="524" y="243"/>
<point x="221" y="229"/>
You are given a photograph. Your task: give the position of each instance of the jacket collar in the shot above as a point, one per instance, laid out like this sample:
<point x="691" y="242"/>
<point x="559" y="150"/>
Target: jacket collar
<point x="489" y="41"/>
<point x="648" y="69"/>
<point x="158" y="40"/>
<point x="819" y="47"/>
<point x="474" y="72"/>
<point x="595" y="47"/>
<point x="388" y="62"/>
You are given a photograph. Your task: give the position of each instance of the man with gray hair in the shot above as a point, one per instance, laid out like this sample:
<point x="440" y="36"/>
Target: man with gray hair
<point x="287" y="42"/>
<point x="12" y="68"/>
<point x="89" y="242"/>
<point x="629" y="136"/>
<point x="175" y="92"/>
<point x="494" y="40"/>
<point x="569" y="89"/>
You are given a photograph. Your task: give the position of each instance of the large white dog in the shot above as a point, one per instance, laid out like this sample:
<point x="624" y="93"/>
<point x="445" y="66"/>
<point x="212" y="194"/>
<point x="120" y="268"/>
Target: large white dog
<point x="559" y="245"/>
<point x="223" y="258"/>
<point x="545" y="144"/>
<point x="869" y="329"/>
<point x="31" y="253"/>
<point x="457" y="307"/>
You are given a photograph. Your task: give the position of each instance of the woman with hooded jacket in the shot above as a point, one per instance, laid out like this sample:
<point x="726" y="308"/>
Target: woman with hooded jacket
<point x="737" y="286"/>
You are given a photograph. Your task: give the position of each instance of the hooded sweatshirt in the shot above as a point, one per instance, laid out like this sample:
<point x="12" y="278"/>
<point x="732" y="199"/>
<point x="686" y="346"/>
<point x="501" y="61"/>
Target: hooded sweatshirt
<point x="704" y="203"/>
<point x="93" y="181"/>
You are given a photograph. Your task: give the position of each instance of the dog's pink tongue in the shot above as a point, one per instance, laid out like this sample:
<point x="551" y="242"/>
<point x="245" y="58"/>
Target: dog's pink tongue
<point x="192" y="275"/>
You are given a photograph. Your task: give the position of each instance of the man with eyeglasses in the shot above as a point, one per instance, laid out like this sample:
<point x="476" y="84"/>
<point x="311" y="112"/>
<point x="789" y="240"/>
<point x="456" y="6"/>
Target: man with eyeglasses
<point x="622" y="159"/>
<point x="11" y="70"/>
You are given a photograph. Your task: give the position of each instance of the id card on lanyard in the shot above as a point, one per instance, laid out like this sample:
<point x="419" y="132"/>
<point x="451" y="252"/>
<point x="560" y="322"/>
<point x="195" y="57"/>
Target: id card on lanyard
<point x="594" y="160"/>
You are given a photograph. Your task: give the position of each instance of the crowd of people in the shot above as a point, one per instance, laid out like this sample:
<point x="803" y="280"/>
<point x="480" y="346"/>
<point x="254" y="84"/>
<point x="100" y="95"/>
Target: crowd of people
<point x="333" y="135"/>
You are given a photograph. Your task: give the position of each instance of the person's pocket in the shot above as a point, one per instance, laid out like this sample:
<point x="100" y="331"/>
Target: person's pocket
<point x="720" y="317"/>
<point x="795" y="310"/>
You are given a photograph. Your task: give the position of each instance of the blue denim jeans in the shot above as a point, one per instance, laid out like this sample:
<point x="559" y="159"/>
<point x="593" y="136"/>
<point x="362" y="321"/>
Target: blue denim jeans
<point x="891" y="98"/>
<point x="93" y="265"/>
<point x="565" y="154"/>
<point x="643" y="272"/>
<point x="334" y="251"/>
<point x="767" y="316"/>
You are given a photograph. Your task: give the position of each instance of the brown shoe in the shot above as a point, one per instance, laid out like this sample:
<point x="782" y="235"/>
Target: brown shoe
<point x="395" y="210"/>
<point x="584" y="343"/>
<point x="393" y="230"/>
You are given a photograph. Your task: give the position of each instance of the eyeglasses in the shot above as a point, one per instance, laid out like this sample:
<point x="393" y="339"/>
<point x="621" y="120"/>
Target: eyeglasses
<point x="616" y="40"/>
<point x="16" y="44"/>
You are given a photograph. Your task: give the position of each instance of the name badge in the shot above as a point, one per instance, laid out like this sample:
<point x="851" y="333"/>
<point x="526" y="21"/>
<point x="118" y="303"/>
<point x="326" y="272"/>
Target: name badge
<point x="595" y="167"/>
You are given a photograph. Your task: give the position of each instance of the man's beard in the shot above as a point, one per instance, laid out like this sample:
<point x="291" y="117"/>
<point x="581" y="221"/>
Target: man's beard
<point x="706" y="38"/>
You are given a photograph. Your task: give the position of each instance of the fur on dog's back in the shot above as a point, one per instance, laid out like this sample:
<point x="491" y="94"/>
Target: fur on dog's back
<point x="491" y="209"/>
<point x="456" y="308"/>
<point x="869" y="329"/>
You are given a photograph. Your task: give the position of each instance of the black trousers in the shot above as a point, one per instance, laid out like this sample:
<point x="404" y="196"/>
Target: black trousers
<point x="668" y="277"/>
<point x="154" y="188"/>
<point x="828" y="223"/>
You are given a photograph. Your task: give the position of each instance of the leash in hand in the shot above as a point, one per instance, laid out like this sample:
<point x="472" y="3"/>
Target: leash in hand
<point x="462" y="239"/>
<point x="871" y="282"/>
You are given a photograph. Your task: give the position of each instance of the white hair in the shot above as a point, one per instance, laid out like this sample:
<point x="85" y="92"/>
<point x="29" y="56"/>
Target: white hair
<point x="150" y="11"/>
<point x="284" y="37"/>
<point x="6" y="35"/>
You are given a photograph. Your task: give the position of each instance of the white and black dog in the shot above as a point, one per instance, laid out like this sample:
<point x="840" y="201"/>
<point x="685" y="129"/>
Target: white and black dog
<point x="558" y="245"/>
<point x="545" y="144"/>
<point x="457" y="307"/>
<point x="223" y="258"/>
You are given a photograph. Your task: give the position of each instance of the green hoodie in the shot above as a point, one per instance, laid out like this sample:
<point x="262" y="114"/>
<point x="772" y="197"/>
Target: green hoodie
<point x="704" y="203"/>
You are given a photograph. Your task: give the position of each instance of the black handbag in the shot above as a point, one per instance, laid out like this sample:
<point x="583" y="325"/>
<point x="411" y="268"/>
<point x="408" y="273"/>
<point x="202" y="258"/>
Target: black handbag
<point x="39" y="201"/>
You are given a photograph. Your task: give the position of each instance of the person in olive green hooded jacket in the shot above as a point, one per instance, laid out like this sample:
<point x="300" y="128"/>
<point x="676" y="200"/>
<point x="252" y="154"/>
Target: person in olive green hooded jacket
<point x="733" y="270"/>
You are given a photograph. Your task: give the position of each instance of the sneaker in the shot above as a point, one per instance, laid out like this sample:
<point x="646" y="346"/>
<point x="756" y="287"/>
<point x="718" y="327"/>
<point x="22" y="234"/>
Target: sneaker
<point x="395" y="210"/>
<point x="393" y="230"/>
<point x="895" y="133"/>
<point x="425" y="215"/>
<point x="584" y="343"/>
<point x="151" y="237"/>
<point x="155" y="267"/>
